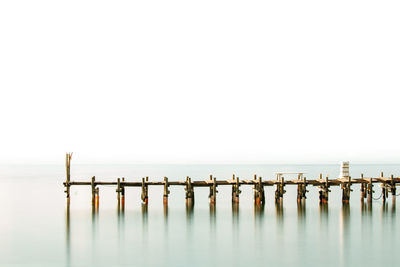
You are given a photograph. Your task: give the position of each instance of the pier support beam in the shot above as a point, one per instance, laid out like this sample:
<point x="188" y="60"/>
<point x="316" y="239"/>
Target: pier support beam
<point x="384" y="190"/>
<point x="93" y="186"/>
<point x="97" y="198"/>
<point x="324" y="191"/>
<point x="370" y="191"/>
<point x="118" y="190"/>
<point x="166" y="191"/>
<point x="280" y="189"/>
<point x="363" y="188"/>
<point x="346" y="189"/>
<point x="393" y="189"/>
<point x="235" y="190"/>
<point x="123" y="194"/>
<point x="145" y="191"/>
<point x="259" y="195"/>
<point x="213" y="191"/>
<point x="301" y="189"/>
<point x="189" y="196"/>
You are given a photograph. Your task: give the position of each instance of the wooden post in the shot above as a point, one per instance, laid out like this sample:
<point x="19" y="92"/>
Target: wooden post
<point x="67" y="185"/>
<point x="384" y="190"/>
<point x="213" y="191"/>
<point x="362" y="185"/>
<point x="261" y="191"/>
<point x="97" y="198"/>
<point x="189" y="197"/>
<point x="280" y="190"/>
<point x="324" y="191"/>
<point x="93" y="186"/>
<point x="346" y="188"/>
<point x="235" y="191"/>
<point x="393" y="189"/>
<point x="256" y="189"/>
<point x="166" y="191"/>
<point x="301" y="189"/>
<point x="118" y="193"/>
<point x="144" y="196"/>
<point x="123" y="194"/>
<point x="370" y="191"/>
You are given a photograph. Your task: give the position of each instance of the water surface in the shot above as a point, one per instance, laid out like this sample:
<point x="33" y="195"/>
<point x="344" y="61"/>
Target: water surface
<point x="36" y="229"/>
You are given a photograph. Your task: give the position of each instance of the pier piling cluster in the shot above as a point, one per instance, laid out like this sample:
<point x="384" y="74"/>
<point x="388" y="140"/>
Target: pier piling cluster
<point x="388" y="185"/>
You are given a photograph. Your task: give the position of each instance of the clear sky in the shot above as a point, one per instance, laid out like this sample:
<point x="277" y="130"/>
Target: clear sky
<point x="200" y="81"/>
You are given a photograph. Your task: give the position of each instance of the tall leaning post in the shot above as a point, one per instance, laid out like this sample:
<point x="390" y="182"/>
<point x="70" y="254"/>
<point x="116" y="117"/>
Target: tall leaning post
<point x="67" y="184"/>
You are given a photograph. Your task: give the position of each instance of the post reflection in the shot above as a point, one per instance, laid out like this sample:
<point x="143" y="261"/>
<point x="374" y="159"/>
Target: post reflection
<point x="393" y="209"/>
<point x="323" y="214"/>
<point x="121" y="222"/>
<point x="279" y="212"/>
<point x="345" y="232"/>
<point x="165" y="212"/>
<point x="189" y="220"/>
<point x="235" y="214"/>
<point x="301" y="211"/>
<point x="213" y="211"/>
<point x="68" y="235"/>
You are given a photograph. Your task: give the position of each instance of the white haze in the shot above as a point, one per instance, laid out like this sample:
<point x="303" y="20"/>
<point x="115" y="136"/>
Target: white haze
<point x="199" y="81"/>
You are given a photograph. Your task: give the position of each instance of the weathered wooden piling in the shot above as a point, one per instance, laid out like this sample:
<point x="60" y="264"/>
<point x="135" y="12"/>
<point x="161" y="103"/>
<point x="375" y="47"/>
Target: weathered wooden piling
<point x="235" y="190"/>
<point x="123" y="194"/>
<point x="259" y="194"/>
<point x="145" y="191"/>
<point x="370" y="191"/>
<point x="97" y="198"/>
<point x="189" y="197"/>
<point x="393" y="188"/>
<point x="346" y="189"/>
<point x="324" y="190"/>
<point x="301" y="188"/>
<point x="166" y="191"/>
<point x="93" y="186"/>
<point x="67" y="184"/>
<point x="280" y="190"/>
<point x="363" y="188"/>
<point x="213" y="190"/>
<point x="118" y="190"/>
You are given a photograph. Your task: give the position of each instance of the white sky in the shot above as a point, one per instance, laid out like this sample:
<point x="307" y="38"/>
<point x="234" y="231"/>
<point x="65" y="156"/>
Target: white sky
<point x="200" y="81"/>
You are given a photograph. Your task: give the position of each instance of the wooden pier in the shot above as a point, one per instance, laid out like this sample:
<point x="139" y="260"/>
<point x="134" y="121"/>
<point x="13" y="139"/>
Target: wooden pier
<point x="388" y="187"/>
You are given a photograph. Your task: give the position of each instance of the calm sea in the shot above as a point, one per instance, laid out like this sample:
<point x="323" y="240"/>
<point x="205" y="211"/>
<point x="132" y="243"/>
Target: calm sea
<point x="36" y="230"/>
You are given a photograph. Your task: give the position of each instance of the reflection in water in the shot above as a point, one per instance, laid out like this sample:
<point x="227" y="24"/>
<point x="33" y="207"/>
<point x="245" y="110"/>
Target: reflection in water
<point x="366" y="210"/>
<point x="279" y="216"/>
<point x="235" y="221"/>
<point x="189" y="220"/>
<point x="121" y="223"/>
<point x="323" y="211"/>
<point x="165" y="211"/>
<point x="301" y="211"/>
<point x="213" y="210"/>
<point x="279" y="212"/>
<point x="393" y="210"/>
<point x="235" y="214"/>
<point x="344" y="232"/>
<point x="68" y="235"/>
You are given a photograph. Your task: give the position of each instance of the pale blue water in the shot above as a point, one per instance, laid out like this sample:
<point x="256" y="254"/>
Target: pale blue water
<point x="36" y="231"/>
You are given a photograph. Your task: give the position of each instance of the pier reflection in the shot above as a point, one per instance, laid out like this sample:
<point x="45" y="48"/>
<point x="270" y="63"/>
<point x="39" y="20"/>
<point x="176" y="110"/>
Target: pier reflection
<point x="279" y="211"/>
<point x="67" y="235"/>
<point x="301" y="211"/>
<point x="345" y="233"/>
<point x="323" y="215"/>
<point x="213" y="211"/>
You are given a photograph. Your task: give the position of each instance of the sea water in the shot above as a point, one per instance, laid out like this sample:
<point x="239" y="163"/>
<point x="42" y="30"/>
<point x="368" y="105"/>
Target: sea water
<point x="36" y="228"/>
